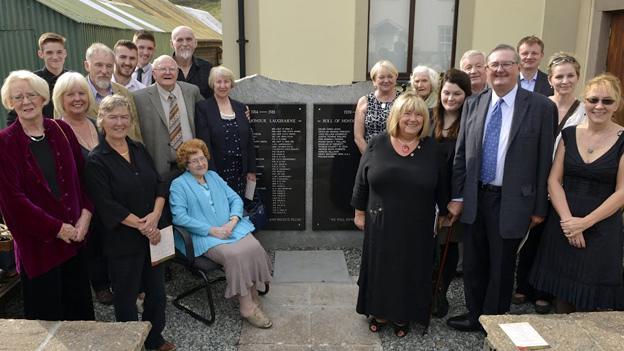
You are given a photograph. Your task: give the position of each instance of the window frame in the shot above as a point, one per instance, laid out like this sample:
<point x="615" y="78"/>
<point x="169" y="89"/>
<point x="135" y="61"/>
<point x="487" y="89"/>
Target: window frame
<point x="405" y="76"/>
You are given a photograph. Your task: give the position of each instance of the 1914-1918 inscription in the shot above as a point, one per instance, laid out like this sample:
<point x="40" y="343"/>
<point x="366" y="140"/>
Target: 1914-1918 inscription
<point x="279" y="134"/>
<point x="336" y="160"/>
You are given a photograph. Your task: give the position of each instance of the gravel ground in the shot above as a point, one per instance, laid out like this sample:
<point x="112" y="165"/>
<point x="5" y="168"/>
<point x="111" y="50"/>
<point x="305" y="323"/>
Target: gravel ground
<point x="190" y="334"/>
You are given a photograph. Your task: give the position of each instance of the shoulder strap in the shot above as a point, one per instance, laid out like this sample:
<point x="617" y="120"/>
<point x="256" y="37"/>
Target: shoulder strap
<point x="62" y="131"/>
<point x="567" y="116"/>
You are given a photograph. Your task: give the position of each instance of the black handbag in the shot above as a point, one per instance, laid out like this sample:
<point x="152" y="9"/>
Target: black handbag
<point x="256" y="211"/>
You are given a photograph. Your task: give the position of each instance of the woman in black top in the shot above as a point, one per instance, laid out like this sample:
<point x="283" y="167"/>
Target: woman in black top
<point x="72" y="100"/>
<point x="221" y="123"/>
<point x="129" y="197"/>
<point x="398" y="184"/>
<point x="455" y="88"/>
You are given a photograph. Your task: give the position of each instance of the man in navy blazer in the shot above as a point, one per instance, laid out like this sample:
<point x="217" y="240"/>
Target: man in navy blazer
<point x="531" y="51"/>
<point x="499" y="184"/>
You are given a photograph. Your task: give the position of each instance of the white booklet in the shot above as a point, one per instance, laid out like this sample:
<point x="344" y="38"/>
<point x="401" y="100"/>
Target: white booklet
<point x="165" y="249"/>
<point x="250" y="189"/>
<point x="524" y="336"/>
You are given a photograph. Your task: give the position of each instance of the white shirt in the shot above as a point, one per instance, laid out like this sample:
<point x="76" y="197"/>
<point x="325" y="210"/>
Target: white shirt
<point x="528" y="84"/>
<point x="507" y="108"/>
<point x="147" y="74"/>
<point x="187" y="134"/>
<point x="133" y="84"/>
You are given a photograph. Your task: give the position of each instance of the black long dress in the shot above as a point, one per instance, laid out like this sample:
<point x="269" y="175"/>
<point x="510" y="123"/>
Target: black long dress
<point x="399" y="194"/>
<point x="589" y="278"/>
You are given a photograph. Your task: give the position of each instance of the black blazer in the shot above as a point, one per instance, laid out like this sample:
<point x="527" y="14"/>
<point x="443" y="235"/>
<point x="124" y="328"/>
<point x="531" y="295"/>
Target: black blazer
<point x="527" y="162"/>
<point x="208" y="128"/>
<point x="118" y="188"/>
<point x="542" y="85"/>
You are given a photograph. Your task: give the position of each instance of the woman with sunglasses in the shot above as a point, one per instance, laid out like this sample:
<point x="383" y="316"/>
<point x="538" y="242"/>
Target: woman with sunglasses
<point x="579" y="260"/>
<point x="563" y="76"/>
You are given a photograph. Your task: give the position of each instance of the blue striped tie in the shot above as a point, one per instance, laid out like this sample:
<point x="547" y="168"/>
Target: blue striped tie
<point x="490" y="144"/>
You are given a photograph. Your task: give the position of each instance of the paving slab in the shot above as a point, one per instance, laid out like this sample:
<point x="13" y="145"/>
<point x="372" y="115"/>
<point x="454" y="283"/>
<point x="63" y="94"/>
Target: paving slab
<point x="325" y="266"/>
<point x="311" y="316"/>
<point x="19" y="334"/>
<point x="575" y="331"/>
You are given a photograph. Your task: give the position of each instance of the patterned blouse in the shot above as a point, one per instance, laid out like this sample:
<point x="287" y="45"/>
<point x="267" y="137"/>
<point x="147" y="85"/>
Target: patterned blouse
<point x="376" y="115"/>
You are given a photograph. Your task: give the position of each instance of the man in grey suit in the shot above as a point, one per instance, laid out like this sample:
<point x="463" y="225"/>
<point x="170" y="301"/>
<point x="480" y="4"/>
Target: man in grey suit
<point x="499" y="187"/>
<point x="166" y="113"/>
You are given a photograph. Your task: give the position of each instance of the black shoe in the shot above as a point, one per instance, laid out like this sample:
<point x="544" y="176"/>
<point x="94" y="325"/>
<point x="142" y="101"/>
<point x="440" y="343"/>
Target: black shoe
<point x="464" y="323"/>
<point x="542" y="307"/>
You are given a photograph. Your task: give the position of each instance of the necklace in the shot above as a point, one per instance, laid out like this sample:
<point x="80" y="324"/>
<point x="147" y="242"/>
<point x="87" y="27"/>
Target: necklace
<point x="405" y="146"/>
<point x="93" y="139"/>
<point x="37" y="138"/>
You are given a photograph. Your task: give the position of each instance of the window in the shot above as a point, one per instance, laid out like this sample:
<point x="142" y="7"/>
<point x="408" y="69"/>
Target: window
<point x="411" y="33"/>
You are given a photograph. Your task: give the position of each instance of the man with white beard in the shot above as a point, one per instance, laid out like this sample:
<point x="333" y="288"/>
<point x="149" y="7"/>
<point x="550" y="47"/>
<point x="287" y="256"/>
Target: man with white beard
<point x="99" y="64"/>
<point x="191" y="69"/>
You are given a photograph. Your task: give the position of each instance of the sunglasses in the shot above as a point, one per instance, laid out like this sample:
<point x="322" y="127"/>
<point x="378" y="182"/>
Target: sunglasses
<point x="595" y="101"/>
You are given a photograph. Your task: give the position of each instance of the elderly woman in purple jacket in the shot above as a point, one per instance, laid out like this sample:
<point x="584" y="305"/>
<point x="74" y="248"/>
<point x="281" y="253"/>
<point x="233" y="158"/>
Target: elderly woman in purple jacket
<point x="43" y="203"/>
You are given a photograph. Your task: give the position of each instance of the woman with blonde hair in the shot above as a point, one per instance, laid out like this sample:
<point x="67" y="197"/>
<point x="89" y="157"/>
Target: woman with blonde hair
<point x="580" y="256"/>
<point x="371" y="112"/>
<point x="399" y="181"/>
<point x="72" y="100"/>
<point x="221" y="123"/>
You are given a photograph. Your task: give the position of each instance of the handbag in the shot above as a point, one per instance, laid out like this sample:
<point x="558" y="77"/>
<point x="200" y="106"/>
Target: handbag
<point x="256" y="211"/>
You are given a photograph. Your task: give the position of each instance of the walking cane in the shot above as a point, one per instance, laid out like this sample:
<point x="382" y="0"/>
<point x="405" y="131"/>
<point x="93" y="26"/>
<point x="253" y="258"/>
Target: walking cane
<point x="447" y="242"/>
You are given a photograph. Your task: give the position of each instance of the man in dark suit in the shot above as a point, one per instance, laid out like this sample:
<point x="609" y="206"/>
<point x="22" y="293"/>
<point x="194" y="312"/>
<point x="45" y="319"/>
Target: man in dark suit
<point x="166" y="113"/>
<point x="500" y="170"/>
<point x="531" y="51"/>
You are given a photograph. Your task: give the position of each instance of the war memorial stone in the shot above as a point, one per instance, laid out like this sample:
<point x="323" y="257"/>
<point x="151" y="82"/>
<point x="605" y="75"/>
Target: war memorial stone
<point x="306" y="157"/>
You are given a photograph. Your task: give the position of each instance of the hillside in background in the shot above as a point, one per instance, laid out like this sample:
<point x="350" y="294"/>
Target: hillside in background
<point x="212" y="6"/>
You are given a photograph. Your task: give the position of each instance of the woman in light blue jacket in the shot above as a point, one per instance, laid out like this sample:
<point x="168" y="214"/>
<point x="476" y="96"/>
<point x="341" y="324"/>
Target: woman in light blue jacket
<point x="204" y="205"/>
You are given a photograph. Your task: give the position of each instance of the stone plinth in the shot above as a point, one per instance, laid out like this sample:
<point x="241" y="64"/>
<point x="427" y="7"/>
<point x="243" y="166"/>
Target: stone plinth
<point x="21" y="334"/>
<point x="575" y="331"/>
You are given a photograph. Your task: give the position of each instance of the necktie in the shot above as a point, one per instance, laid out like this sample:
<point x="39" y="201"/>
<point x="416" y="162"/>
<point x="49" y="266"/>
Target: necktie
<point x="175" y="128"/>
<point x="490" y="144"/>
<point x="140" y="74"/>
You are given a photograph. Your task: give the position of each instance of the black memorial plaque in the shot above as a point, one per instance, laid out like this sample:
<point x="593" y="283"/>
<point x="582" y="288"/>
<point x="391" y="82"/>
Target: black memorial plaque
<point x="280" y="136"/>
<point x="336" y="160"/>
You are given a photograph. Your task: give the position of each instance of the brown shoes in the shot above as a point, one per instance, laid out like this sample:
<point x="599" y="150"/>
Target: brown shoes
<point x="259" y="319"/>
<point x="167" y="346"/>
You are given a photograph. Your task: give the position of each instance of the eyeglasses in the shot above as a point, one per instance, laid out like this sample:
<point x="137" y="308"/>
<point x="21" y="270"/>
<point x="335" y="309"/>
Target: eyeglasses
<point x="166" y="69"/>
<point x="505" y="65"/>
<point x="197" y="161"/>
<point x="595" y="101"/>
<point x="29" y="96"/>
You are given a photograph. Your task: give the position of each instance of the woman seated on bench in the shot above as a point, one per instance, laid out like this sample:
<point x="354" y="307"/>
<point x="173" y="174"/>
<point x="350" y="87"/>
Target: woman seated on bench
<point x="204" y="205"/>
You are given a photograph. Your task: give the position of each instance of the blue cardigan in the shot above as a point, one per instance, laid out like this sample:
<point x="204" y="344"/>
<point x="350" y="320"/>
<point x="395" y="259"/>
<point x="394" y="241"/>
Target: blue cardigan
<point x="191" y="210"/>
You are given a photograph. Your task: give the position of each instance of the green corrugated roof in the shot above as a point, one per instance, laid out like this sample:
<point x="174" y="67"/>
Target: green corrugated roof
<point x="83" y="13"/>
<point x="154" y="15"/>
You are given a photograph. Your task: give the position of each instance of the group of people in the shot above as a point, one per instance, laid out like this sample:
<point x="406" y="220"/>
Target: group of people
<point x="488" y="155"/>
<point x="95" y="166"/>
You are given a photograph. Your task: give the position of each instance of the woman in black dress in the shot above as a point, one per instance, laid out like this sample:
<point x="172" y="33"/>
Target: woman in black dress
<point x="580" y="257"/>
<point x="399" y="182"/>
<point x="129" y="197"/>
<point x="455" y="88"/>
<point x="221" y="123"/>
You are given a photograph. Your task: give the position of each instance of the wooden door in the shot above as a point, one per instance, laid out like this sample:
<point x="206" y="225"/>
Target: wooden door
<point x="615" y="55"/>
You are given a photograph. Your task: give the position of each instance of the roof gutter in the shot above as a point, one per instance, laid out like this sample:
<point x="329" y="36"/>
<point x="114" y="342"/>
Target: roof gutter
<point x="241" y="37"/>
